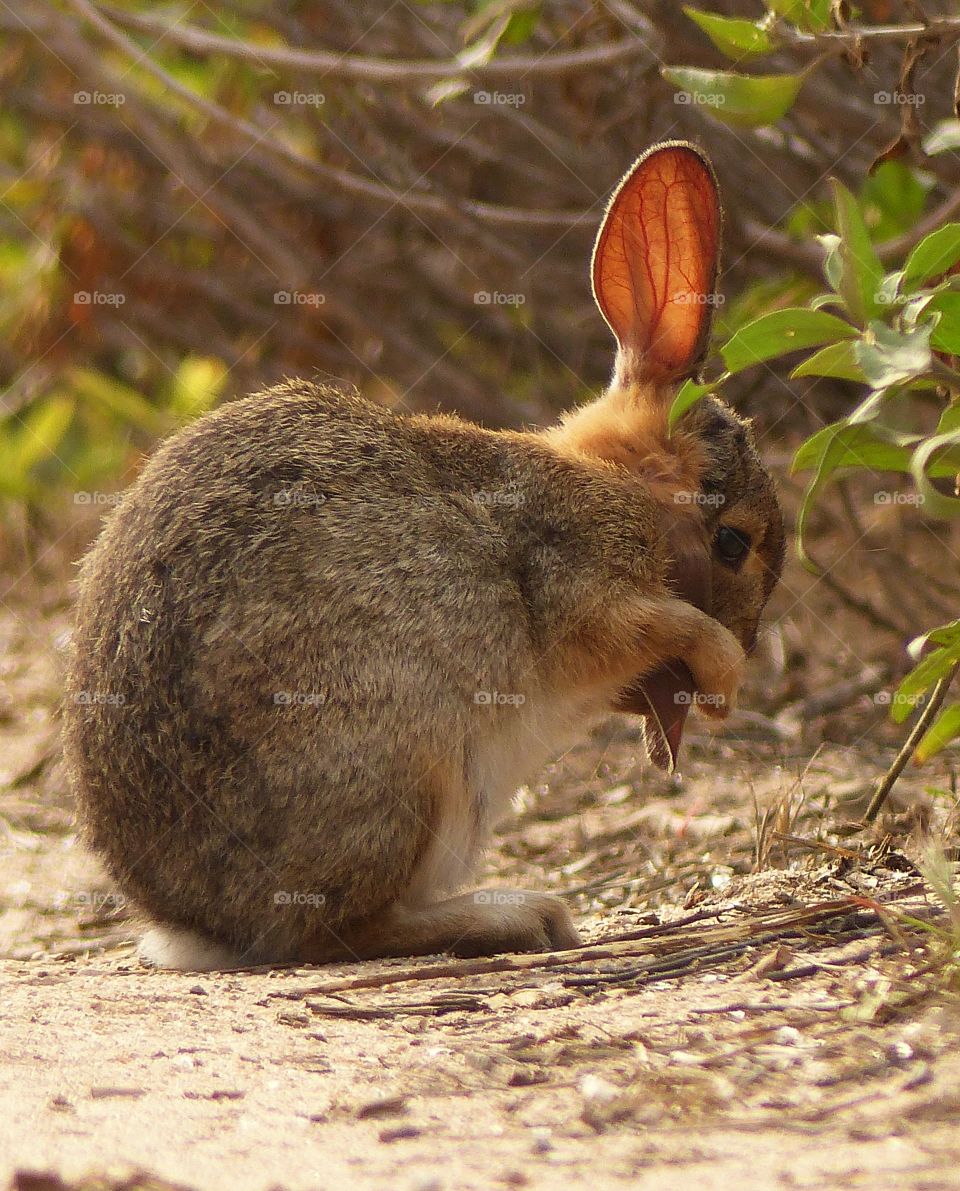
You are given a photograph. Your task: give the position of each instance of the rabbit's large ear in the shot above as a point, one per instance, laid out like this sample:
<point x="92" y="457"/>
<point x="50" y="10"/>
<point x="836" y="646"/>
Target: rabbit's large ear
<point x="655" y="263"/>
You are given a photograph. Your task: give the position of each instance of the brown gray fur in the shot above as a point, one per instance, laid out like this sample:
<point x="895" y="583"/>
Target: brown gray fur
<point x="320" y="643"/>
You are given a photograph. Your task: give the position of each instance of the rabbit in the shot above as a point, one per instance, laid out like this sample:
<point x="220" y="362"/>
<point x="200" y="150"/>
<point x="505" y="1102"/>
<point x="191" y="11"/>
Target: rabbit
<point x="320" y="643"/>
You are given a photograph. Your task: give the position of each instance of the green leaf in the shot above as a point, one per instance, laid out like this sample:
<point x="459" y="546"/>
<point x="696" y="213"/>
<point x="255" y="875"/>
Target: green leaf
<point x="856" y="444"/>
<point x="29" y="440"/>
<point x="949" y="419"/>
<point x="523" y="25"/>
<point x="780" y="332"/>
<point x="893" y="198"/>
<point x="933" y="256"/>
<point x="196" y="385"/>
<point x="746" y="101"/>
<point x="819" y="301"/>
<point x="890" y="357"/>
<point x="733" y="36"/>
<point x="912" y="311"/>
<point x="862" y="272"/>
<point x="490" y="27"/>
<point x="945" y="336"/>
<point x="870" y="407"/>
<point x="446" y="90"/>
<point x="690" y="393"/>
<point x="832" y="260"/>
<point x="943" y="634"/>
<point x="888" y="292"/>
<point x="924" y="464"/>
<point x="771" y="293"/>
<point x="863" y="444"/>
<point x="40" y="433"/>
<point x="943" y="731"/>
<point x="929" y="670"/>
<point x="813" y="16"/>
<point x="808" y="218"/>
<point x="120" y="400"/>
<point x="944" y="136"/>
<point x="15" y="484"/>
<point x="830" y="454"/>
<point x="836" y="359"/>
<point x="94" y="464"/>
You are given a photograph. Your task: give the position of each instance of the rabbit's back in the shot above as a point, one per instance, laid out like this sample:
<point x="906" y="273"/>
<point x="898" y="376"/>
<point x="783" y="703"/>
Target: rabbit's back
<point x="291" y="616"/>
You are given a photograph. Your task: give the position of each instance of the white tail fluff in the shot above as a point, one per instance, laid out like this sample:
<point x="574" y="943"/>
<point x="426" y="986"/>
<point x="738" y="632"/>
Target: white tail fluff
<point x="184" y="951"/>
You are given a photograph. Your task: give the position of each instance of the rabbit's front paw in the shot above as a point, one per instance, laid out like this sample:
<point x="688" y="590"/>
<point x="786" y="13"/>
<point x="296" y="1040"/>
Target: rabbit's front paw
<point x="717" y="663"/>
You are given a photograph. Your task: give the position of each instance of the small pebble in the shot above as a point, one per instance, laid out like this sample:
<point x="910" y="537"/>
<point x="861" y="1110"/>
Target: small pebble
<point x="399" y="1133"/>
<point x="386" y="1106"/>
<point x="899" y="1052"/>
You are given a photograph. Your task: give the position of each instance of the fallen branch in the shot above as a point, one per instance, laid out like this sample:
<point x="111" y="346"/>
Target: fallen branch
<point x="671" y="952"/>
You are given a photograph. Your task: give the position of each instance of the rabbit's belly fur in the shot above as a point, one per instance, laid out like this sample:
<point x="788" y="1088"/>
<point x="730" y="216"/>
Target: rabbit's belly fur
<point x="499" y="764"/>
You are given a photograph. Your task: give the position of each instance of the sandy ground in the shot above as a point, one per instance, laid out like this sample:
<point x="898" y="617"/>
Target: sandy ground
<point x="225" y="1082"/>
<point x="724" y="1030"/>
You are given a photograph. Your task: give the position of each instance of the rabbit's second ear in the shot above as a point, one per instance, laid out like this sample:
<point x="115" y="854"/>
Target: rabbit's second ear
<point x="665" y="696"/>
<point x="655" y="264"/>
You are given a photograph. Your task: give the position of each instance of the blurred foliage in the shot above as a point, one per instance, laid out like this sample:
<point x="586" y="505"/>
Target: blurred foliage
<point x="88" y="429"/>
<point x="198" y="200"/>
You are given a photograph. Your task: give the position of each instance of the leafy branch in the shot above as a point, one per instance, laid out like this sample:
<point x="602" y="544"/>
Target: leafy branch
<point x="894" y="333"/>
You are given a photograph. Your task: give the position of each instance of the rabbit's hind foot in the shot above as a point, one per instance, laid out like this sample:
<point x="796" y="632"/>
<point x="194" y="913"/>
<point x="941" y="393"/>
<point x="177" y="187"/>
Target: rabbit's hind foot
<point x="186" y="951"/>
<point x="488" y="922"/>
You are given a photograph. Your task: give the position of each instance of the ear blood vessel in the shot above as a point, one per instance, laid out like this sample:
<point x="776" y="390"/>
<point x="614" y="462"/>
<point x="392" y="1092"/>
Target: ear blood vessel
<point x="655" y="263"/>
<point x="319" y="643"/>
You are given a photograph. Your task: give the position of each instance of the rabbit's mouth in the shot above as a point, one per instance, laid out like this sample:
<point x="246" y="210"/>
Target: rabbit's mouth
<point x="663" y="699"/>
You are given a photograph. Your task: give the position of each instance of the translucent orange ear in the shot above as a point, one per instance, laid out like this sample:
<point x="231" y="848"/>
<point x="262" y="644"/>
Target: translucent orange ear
<point x="655" y="263"/>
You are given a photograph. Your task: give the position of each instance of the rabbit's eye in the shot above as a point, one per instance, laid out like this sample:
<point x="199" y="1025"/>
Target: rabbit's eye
<point x="732" y="545"/>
